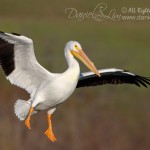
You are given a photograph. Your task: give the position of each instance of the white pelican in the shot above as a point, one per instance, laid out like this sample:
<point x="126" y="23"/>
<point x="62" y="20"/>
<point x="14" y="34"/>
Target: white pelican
<point x="46" y="89"/>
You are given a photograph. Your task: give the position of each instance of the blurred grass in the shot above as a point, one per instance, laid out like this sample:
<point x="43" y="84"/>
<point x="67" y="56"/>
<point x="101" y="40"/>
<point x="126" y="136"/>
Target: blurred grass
<point x="106" y="117"/>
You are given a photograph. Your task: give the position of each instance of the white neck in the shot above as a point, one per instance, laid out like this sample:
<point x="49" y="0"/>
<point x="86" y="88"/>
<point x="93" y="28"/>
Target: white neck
<point x="71" y="61"/>
<point x="73" y="65"/>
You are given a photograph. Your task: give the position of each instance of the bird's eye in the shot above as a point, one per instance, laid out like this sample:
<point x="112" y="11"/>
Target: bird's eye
<point x="76" y="46"/>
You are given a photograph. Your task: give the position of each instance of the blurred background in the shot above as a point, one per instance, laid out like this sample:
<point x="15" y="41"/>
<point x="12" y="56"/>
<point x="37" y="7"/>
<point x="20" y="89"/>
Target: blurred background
<point x="101" y="118"/>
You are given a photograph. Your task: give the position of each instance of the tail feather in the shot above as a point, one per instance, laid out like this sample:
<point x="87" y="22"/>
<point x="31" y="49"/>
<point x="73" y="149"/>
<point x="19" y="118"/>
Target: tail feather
<point x="21" y="109"/>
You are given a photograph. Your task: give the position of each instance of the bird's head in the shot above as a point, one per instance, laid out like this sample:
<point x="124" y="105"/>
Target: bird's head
<point x="76" y="50"/>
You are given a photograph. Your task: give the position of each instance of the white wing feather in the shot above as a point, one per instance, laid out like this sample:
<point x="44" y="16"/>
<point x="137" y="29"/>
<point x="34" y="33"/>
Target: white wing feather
<point x="28" y="73"/>
<point x="101" y="71"/>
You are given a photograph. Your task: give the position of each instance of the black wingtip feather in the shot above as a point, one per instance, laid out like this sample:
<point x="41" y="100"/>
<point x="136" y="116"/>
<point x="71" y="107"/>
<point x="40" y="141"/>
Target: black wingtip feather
<point x="118" y="77"/>
<point x="142" y="82"/>
<point x="137" y="83"/>
<point x="16" y="34"/>
<point x="6" y="56"/>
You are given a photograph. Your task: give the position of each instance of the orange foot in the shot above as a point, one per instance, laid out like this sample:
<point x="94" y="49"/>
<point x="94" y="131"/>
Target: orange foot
<point x="49" y="133"/>
<point x="27" y="121"/>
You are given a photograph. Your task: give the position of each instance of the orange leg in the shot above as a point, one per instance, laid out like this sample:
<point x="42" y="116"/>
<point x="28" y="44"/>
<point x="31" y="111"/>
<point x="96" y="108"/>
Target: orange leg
<point x="27" y="121"/>
<point x="49" y="132"/>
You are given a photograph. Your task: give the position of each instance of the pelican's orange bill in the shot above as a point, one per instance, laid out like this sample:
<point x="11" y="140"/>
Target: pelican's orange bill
<point x="84" y="58"/>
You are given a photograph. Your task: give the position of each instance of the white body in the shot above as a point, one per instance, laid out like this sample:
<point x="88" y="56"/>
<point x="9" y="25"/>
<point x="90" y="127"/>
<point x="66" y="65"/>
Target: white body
<point x="56" y="90"/>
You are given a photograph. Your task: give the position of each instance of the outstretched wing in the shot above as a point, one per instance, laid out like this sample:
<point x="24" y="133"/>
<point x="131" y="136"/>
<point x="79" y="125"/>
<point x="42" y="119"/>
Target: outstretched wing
<point x="111" y="76"/>
<point x="18" y="61"/>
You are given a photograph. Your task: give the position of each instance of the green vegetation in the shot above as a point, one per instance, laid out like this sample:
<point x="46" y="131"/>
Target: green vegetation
<point x="107" y="117"/>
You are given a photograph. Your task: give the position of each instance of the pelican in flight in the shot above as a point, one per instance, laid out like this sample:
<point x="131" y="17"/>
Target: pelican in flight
<point x="47" y="90"/>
